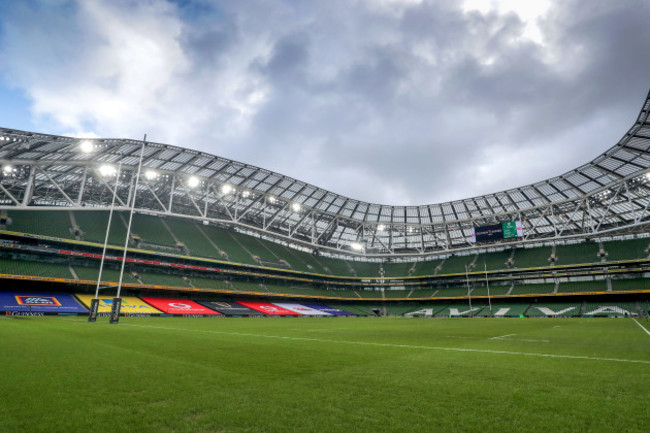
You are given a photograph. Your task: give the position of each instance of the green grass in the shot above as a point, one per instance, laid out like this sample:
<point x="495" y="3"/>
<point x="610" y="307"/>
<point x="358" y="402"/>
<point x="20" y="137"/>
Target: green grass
<point x="323" y="374"/>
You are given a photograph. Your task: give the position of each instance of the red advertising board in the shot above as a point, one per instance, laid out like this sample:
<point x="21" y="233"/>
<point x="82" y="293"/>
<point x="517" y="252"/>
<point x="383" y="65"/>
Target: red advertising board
<point x="270" y="309"/>
<point x="179" y="306"/>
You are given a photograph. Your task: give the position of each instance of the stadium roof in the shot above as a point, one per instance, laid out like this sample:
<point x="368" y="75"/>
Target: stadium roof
<point x="608" y="195"/>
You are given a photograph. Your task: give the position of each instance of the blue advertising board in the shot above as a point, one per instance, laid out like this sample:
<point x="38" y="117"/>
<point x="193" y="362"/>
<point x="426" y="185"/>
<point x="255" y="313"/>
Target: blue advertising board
<point x="330" y="310"/>
<point x="40" y="302"/>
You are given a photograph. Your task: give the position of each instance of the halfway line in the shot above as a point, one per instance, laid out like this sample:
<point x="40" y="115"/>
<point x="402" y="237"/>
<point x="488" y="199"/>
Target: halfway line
<point x="406" y="346"/>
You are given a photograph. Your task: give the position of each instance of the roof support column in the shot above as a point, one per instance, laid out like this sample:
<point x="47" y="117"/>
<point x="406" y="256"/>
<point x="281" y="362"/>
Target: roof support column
<point x="29" y="190"/>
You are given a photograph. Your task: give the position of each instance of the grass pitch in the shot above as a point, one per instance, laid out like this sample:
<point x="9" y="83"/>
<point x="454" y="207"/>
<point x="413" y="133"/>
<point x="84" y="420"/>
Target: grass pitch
<point x="323" y="375"/>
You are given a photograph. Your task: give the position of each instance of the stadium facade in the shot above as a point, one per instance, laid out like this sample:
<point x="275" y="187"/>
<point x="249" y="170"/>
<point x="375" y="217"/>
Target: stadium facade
<point x="259" y="228"/>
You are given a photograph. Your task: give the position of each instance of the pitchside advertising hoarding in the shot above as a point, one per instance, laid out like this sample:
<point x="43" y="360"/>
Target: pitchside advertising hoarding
<point x="269" y="309"/>
<point x="180" y="306"/>
<point x="130" y="305"/>
<point x="330" y="310"/>
<point x="40" y="302"/>
<point x="230" y="308"/>
<point x="496" y="232"/>
<point x="301" y="309"/>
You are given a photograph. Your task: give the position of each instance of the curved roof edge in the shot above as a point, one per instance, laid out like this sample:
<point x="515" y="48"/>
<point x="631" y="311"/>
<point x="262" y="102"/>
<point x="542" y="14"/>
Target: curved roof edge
<point x="607" y="193"/>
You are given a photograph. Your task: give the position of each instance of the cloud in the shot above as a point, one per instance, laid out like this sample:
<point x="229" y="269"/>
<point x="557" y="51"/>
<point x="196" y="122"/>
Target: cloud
<point x="395" y="102"/>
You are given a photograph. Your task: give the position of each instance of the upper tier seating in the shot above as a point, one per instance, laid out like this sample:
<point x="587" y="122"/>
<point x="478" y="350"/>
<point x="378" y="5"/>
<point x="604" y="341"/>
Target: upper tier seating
<point x="532" y="257"/>
<point x="181" y="236"/>
<point x="19" y="266"/>
<point x="46" y="223"/>
<point x="627" y="250"/>
<point x="586" y="252"/>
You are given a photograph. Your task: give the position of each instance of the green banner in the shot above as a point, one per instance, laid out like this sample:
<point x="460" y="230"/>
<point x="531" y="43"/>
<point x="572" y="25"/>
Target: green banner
<point x="509" y="229"/>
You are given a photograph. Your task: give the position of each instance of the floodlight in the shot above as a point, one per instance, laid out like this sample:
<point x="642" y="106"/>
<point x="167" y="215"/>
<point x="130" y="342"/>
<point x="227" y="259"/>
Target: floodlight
<point x="356" y="246"/>
<point x="381" y="227"/>
<point x="7" y="169"/>
<point x="296" y="207"/>
<point x="107" y="170"/>
<point x="226" y="189"/>
<point x="86" y="146"/>
<point x="245" y="194"/>
<point x="193" y="182"/>
<point x="271" y="199"/>
<point x="647" y="176"/>
<point x="150" y="174"/>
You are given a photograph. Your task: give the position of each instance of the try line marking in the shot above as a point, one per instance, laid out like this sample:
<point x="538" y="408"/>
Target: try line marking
<point x="642" y="327"/>
<point x="406" y="346"/>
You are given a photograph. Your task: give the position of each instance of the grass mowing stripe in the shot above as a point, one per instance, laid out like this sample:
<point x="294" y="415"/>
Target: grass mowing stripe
<point x="642" y="327"/>
<point x="406" y="346"/>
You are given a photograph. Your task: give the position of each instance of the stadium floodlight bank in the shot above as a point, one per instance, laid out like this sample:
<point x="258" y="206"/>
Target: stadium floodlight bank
<point x="606" y="197"/>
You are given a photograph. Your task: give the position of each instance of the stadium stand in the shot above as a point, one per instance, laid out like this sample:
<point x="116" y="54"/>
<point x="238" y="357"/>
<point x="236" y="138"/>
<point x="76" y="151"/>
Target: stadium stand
<point x="461" y="310"/>
<point x="225" y="242"/>
<point x="396" y="293"/>
<point x="93" y="226"/>
<point x="536" y="288"/>
<point x="492" y="261"/>
<point x="456" y="264"/>
<point x="365" y="269"/>
<point x="45" y="223"/>
<point x="24" y="266"/>
<point x="582" y="286"/>
<point x="532" y="257"/>
<point x="210" y="283"/>
<point x="627" y="249"/>
<point x="495" y="290"/>
<point x="452" y="291"/>
<point x="586" y="252"/>
<point x="161" y="279"/>
<point x="504" y="310"/>
<point x="553" y="309"/>
<point x="426" y="267"/>
<point x="108" y="274"/>
<point x="397" y="269"/>
<point x="631" y="284"/>
<point x="153" y="232"/>
<point x="263" y="216"/>
<point x="610" y="309"/>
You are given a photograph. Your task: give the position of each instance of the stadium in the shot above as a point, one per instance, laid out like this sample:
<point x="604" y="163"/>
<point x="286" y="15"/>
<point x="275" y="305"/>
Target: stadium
<point x="198" y="235"/>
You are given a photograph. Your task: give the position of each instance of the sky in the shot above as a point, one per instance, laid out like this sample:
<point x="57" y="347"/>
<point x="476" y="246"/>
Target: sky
<point x="398" y="102"/>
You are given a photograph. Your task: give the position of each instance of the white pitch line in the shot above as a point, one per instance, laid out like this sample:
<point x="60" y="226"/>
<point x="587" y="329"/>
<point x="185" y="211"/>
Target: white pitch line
<point x="642" y="327"/>
<point x="501" y="336"/>
<point x="405" y="346"/>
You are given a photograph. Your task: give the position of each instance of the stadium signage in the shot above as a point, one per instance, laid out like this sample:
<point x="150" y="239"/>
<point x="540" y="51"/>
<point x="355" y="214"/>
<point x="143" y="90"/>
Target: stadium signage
<point x="37" y="300"/>
<point x="25" y="313"/>
<point x="130" y="304"/>
<point x="269" y="309"/>
<point x="301" y="309"/>
<point x="497" y="232"/>
<point x="330" y="310"/>
<point x="40" y="302"/>
<point x="230" y="308"/>
<point x="179" y="306"/>
<point x="548" y="312"/>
